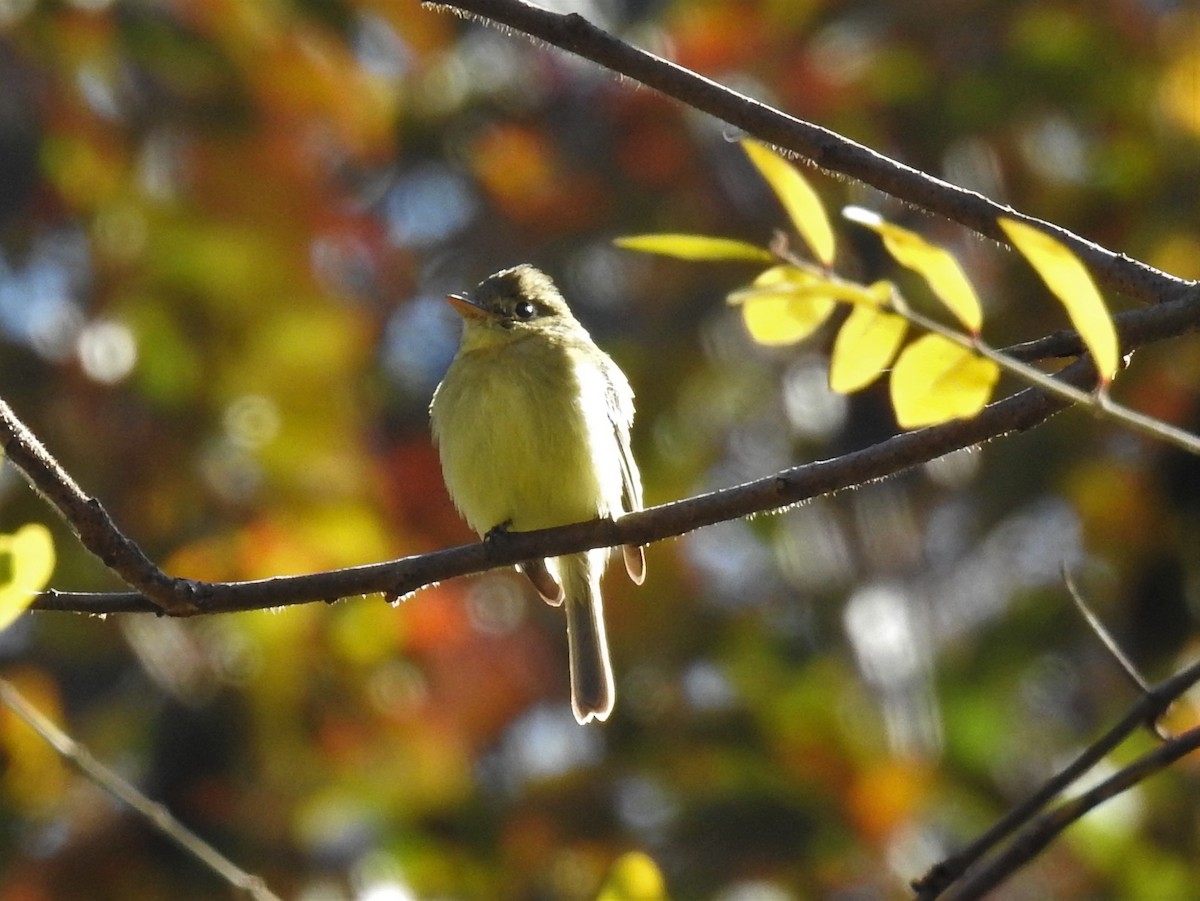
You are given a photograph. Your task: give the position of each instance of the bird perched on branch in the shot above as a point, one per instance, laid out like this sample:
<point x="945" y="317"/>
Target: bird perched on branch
<point x="532" y="425"/>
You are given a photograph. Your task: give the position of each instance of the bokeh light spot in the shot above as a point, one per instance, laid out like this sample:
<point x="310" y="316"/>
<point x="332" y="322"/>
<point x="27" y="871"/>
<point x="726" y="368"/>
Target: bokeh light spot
<point x="107" y="351"/>
<point x="252" y="421"/>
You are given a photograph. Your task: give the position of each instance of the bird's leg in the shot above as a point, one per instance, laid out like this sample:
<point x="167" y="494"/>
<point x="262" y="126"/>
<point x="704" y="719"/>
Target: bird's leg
<point x="496" y="534"/>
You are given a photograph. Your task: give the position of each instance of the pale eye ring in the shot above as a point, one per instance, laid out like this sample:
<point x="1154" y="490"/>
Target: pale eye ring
<point x="524" y="310"/>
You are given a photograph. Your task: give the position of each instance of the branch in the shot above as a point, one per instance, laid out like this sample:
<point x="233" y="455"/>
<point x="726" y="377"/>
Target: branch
<point x="1149" y="707"/>
<point x="1047" y="827"/>
<point x="152" y="812"/>
<point x="824" y="148"/>
<point x="89" y="520"/>
<point x="403" y="577"/>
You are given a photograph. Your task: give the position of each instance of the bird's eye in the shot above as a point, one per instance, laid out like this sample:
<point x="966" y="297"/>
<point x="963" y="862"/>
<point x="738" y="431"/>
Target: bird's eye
<point x="524" y="311"/>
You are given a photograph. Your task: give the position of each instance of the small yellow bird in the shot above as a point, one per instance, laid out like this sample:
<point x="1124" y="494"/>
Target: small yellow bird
<point x="532" y="425"/>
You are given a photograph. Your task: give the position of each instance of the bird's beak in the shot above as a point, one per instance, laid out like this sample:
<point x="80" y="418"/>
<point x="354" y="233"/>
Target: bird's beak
<point x="467" y="308"/>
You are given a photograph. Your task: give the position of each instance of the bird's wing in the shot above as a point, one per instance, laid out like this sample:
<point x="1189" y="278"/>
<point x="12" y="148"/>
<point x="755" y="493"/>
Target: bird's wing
<point x="620" y="408"/>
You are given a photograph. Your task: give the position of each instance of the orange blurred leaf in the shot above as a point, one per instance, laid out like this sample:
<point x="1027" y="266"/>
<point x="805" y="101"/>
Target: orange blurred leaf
<point x="34" y="775"/>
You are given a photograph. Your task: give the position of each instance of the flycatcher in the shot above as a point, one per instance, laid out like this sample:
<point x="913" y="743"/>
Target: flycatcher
<point x="532" y="425"/>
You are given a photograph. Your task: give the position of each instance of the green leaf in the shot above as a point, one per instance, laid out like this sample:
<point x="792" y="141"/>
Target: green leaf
<point x="936" y="380"/>
<point x="1066" y="276"/>
<point x="802" y="203"/>
<point x="865" y="345"/>
<point x="634" y="877"/>
<point x="784" y="305"/>
<point x="695" y="247"/>
<point x="31" y="563"/>
<point x="936" y="265"/>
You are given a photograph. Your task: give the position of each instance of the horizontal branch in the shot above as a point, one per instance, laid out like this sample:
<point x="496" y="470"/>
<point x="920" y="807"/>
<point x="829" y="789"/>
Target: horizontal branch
<point x="400" y="578"/>
<point x="824" y="148"/>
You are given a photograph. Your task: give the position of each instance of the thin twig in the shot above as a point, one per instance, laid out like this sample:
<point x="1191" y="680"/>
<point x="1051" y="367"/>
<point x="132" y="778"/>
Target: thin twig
<point x="154" y="813"/>
<point x="1110" y="643"/>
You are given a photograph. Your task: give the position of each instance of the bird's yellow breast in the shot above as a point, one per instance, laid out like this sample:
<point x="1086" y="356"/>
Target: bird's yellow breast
<point x="525" y="438"/>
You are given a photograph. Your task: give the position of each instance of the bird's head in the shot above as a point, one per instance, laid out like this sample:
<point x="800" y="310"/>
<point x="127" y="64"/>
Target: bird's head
<point x="520" y="300"/>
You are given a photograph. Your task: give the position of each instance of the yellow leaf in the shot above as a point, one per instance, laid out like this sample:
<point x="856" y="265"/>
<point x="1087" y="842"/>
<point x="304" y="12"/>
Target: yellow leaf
<point x="936" y="265"/>
<point x="784" y="305"/>
<point x="801" y="202"/>
<point x="30" y="551"/>
<point x="865" y="345"/>
<point x="1068" y="278"/>
<point x="695" y="247"/>
<point x="935" y="380"/>
<point x="634" y="877"/>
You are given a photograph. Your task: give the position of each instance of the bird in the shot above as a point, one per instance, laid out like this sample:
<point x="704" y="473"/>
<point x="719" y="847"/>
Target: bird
<point x="532" y="424"/>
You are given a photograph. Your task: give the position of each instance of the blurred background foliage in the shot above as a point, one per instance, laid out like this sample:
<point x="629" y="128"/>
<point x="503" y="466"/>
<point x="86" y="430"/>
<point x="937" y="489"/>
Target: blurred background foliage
<point x="225" y="232"/>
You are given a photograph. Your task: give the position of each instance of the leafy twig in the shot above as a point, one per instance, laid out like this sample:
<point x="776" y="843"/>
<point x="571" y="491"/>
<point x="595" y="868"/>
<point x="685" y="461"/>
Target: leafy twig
<point x="1099" y="402"/>
<point x="824" y="148"/>
<point x="152" y="812"/>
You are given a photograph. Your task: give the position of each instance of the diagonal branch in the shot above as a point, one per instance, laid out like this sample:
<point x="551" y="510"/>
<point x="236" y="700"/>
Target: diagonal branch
<point x="824" y="148"/>
<point x="89" y="520"/>
<point x="1149" y="707"/>
<point x="154" y="813"/>
<point x="1043" y="830"/>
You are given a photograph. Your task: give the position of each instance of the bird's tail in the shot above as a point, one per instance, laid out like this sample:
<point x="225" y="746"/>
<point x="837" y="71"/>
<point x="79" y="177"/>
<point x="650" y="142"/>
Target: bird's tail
<point x="592" y="690"/>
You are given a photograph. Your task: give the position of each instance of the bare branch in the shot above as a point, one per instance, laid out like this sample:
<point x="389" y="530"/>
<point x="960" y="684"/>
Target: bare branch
<point x="152" y="812"/>
<point x="824" y="148"/>
<point x="1032" y="840"/>
<point x="402" y="577"/>
<point x="90" y="521"/>
<point x="792" y="486"/>
<point x="1150" y="706"/>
